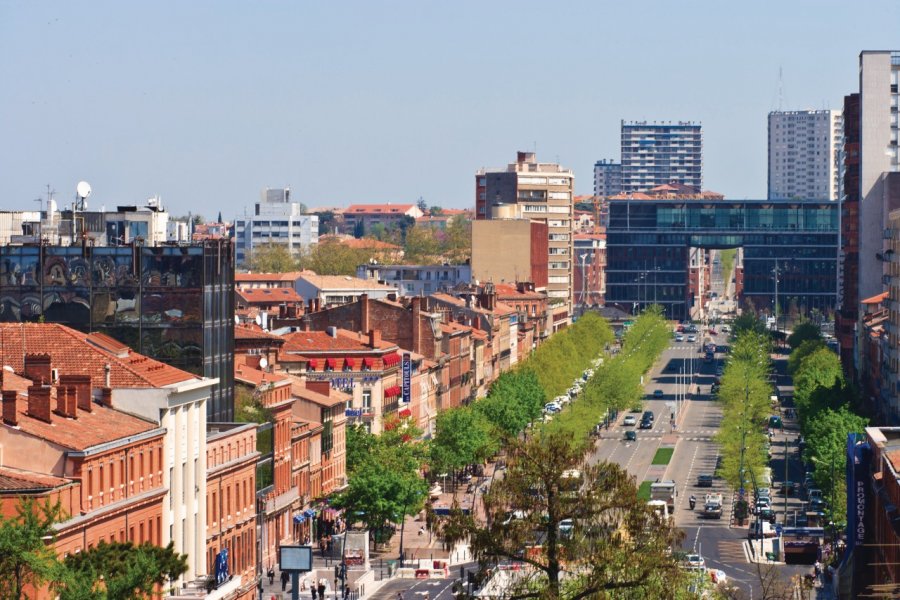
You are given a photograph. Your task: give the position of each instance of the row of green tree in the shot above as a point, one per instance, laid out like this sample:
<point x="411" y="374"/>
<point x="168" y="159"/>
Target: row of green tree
<point x="829" y="409"/>
<point x="108" y="571"/>
<point x="616" y="384"/>
<point x="744" y="394"/>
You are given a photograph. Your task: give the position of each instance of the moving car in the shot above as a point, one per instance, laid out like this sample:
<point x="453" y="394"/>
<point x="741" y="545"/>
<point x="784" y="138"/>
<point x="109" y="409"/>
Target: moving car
<point x="646" y="424"/>
<point x="691" y="338"/>
<point x="679" y="337"/>
<point x="648" y="416"/>
<point x="657" y="393"/>
<point x="694" y="560"/>
<point x="631" y="435"/>
<point x="704" y="481"/>
<point x="630" y="421"/>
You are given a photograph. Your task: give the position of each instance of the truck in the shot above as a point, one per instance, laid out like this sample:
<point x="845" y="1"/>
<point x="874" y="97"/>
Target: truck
<point x="662" y="509"/>
<point x="665" y="491"/>
<point x="712" y="506"/>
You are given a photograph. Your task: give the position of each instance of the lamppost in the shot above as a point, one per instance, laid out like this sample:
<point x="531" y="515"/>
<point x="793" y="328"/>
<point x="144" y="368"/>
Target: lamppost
<point x="583" y="258"/>
<point x="831" y="506"/>
<point x="775" y="270"/>
<point x="642" y="298"/>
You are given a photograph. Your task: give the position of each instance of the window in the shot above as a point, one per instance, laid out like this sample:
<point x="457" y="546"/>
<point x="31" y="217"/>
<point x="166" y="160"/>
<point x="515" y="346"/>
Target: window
<point x="367" y="399"/>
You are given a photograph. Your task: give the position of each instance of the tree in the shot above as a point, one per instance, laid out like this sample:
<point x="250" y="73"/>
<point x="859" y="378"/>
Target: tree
<point x="271" y="258"/>
<point x="800" y="352"/>
<point x="333" y="258"/>
<point x="457" y="240"/>
<point x="422" y="205"/>
<point x="820" y="369"/>
<point x="806" y="331"/>
<point x="587" y="519"/>
<point x="435" y="211"/>
<point x="747" y="321"/>
<point x="462" y="437"/>
<point x="326" y="221"/>
<point x="26" y="547"/>
<point x="128" y="572"/>
<point x="359" y="230"/>
<point x="359" y="445"/>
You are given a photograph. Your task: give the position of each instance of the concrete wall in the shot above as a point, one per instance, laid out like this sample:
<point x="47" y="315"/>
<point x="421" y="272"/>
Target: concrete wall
<point x="501" y="251"/>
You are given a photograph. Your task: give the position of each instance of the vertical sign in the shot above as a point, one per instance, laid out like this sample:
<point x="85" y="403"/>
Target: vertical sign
<point x="858" y="460"/>
<point x="407" y="376"/>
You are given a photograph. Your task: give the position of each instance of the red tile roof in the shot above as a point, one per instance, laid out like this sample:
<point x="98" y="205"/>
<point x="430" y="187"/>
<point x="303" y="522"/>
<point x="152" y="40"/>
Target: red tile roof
<point x="16" y="480"/>
<point x="334" y="397"/>
<point x="254" y="332"/>
<point x="378" y="209"/>
<point x="876" y="299"/>
<point x="268" y="295"/>
<point x="99" y="426"/>
<point x="312" y="342"/>
<point x="506" y="291"/>
<point x="263" y="277"/>
<point x="252" y="376"/>
<point x="75" y="353"/>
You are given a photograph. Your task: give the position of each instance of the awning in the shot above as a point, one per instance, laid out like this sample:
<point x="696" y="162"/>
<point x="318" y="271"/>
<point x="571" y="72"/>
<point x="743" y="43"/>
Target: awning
<point x="310" y="512"/>
<point x="301" y="518"/>
<point x="330" y="363"/>
<point x="391" y="359"/>
<point x="350" y="364"/>
<point x="391" y="391"/>
<point x="368" y="362"/>
<point x="405" y="413"/>
<point x="313" y="364"/>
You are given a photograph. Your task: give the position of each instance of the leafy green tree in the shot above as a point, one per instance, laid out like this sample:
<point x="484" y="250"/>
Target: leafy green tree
<point x="333" y="258"/>
<point x="587" y="519"/>
<point x="797" y="355"/>
<point x="359" y="230"/>
<point x="421" y="246"/>
<point x="456" y="244"/>
<point x="271" y="258"/>
<point x="128" y="572"/>
<point x="804" y="332"/>
<point x="514" y="400"/>
<point x="462" y="437"/>
<point x="26" y="547"/>
<point x="359" y="444"/>
<point x="820" y="369"/>
<point x="435" y="211"/>
<point x="748" y="321"/>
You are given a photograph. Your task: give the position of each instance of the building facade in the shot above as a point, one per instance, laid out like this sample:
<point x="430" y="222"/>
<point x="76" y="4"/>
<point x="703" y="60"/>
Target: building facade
<point x="416" y="280"/>
<point x="657" y="153"/>
<point x="805" y="154"/>
<point x="275" y="220"/>
<point x="590" y="280"/>
<point x="541" y="192"/>
<point x="508" y="250"/>
<point x="607" y="178"/>
<point x="360" y="219"/>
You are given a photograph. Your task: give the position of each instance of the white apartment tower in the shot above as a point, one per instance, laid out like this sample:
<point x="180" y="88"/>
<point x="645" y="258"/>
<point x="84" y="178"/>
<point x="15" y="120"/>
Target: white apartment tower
<point x="607" y="178"/>
<point x="805" y="154"/>
<point x="661" y="152"/>
<point x="528" y="189"/>
<point x="275" y="220"/>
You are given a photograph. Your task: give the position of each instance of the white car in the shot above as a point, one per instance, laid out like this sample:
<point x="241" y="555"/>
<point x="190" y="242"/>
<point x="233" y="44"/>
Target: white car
<point x="630" y="420"/>
<point x="679" y="337"/>
<point x="691" y="339"/>
<point x="695" y="561"/>
<point x="552" y="407"/>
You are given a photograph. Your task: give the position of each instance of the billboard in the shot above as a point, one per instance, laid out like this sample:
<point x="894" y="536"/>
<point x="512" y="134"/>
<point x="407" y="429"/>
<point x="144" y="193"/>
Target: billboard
<point x="859" y="456"/>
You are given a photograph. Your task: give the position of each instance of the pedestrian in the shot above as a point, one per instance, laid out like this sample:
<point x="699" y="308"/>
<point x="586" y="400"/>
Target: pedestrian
<point x="817" y="568"/>
<point x="322" y="584"/>
<point x="284" y="580"/>
<point x="313" y="589"/>
<point x="271" y="574"/>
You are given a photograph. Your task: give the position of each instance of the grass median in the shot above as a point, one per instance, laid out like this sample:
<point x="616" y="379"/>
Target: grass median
<point x="663" y="456"/>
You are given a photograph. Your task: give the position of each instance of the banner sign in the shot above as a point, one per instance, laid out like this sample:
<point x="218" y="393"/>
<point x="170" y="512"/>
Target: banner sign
<point x="407" y="376"/>
<point x="859" y="456"/>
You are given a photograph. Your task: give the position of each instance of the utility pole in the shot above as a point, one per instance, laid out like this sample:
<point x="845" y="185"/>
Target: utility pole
<point x="775" y="270"/>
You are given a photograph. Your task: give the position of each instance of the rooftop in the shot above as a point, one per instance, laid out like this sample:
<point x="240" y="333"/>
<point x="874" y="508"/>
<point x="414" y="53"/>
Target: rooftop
<point x="343" y="282"/>
<point x="265" y="295"/>
<point x="15" y="480"/>
<point x="76" y="353"/>
<point x="304" y="342"/>
<point x="378" y="209"/>
<point x="255" y="277"/>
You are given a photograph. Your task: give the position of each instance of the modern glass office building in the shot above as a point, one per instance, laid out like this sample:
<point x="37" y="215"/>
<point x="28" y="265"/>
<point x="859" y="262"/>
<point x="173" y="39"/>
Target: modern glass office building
<point x="172" y="302"/>
<point x="648" y="250"/>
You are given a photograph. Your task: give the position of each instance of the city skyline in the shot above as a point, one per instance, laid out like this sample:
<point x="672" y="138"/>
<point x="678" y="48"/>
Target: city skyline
<point x="206" y="104"/>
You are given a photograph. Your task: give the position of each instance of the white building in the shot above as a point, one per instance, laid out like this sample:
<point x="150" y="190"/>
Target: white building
<point x="804" y="154"/>
<point x="661" y="152"/>
<point x="275" y="220"/>
<point x="417" y="280"/>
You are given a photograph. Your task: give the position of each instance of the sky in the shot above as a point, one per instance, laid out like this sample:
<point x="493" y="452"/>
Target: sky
<point x="205" y="103"/>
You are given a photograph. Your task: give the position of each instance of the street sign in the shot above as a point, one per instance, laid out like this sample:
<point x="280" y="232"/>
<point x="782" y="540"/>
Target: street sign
<point x="407" y="377"/>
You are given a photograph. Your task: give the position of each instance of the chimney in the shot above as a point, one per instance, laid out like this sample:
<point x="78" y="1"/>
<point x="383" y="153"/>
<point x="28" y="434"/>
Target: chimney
<point x="10" y="416"/>
<point x="416" y="325"/>
<point x="374" y="337"/>
<point x="331" y="331"/>
<point x="39" y="402"/>
<point x="65" y="401"/>
<point x="306" y="323"/>
<point x="320" y="387"/>
<point x="107" y="369"/>
<point x="316" y="304"/>
<point x="37" y="368"/>
<point x="82" y="385"/>
<point x="364" y="312"/>
<point x="106" y="397"/>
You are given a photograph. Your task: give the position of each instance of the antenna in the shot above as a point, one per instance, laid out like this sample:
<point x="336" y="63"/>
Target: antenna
<point x="780" y="88"/>
<point x="82" y="191"/>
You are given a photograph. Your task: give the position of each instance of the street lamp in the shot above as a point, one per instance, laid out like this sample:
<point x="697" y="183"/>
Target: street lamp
<point x="583" y="258"/>
<point x="831" y="506"/>
<point x="776" y="272"/>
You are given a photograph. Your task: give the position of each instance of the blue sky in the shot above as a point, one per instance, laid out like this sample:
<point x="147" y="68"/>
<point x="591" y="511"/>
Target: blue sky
<point x="205" y="103"/>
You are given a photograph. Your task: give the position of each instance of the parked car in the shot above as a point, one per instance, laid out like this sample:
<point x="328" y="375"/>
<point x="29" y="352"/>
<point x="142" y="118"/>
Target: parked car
<point x="552" y="407"/>
<point x="695" y="561"/>
<point x="629" y="421"/>
<point x="712" y="331"/>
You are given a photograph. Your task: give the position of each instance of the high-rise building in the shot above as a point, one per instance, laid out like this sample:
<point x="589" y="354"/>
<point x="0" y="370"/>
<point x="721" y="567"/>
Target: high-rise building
<point x="536" y="191"/>
<point x="607" y="178"/>
<point x="275" y="220"/>
<point x="845" y="319"/>
<point x="804" y="154"/>
<point x="662" y="152"/>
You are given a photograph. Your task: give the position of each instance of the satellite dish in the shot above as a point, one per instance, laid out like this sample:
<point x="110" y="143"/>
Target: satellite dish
<point x="83" y="189"/>
<point x="258" y="320"/>
<point x="263" y="363"/>
<point x="237" y="320"/>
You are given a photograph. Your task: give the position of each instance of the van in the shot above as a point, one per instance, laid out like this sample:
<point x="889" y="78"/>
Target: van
<point x="766" y="478"/>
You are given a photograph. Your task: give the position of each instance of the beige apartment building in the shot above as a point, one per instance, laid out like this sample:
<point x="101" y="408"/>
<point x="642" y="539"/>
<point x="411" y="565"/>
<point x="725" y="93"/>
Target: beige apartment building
<point x="527" y="189"/>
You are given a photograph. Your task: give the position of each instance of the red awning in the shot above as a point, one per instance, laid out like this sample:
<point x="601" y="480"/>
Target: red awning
<point x="368" y="362"/>
<point x="313" y="363"/>
<point x="405" y="413"/>
<point x="391" y="359"/>
<point x="394" y="390"/>
<point x="349" y="364"/>
<point x="330" y="363"/>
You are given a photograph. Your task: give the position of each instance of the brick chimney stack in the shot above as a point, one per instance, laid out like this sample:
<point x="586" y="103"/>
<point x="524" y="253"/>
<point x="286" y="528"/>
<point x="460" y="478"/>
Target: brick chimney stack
<point x="320" y="387"/>
<point x="364" y="312"/>
<point x="106" y="397"/>
<point x="374" y="338"/>
<point x="39" y="402"/>
<point x="82" y="385"/>
<point x="10" y="416"/>
<point x="65" y="401"/>
<point x="38" y="368"/>
<point x="416" y="324"/>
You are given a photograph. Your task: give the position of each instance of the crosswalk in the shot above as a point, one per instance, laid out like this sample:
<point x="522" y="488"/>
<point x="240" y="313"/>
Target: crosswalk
<point x="690" y="435"/>
<point x="731" y="551"/>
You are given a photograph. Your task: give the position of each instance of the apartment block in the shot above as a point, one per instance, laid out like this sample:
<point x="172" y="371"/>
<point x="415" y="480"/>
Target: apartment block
<point x="657" y="153"/>
<point x="607" y="178"/>
<point x="527" y="189"/>
<point x="804" y="154"/>
<point x="276" y="219"/>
